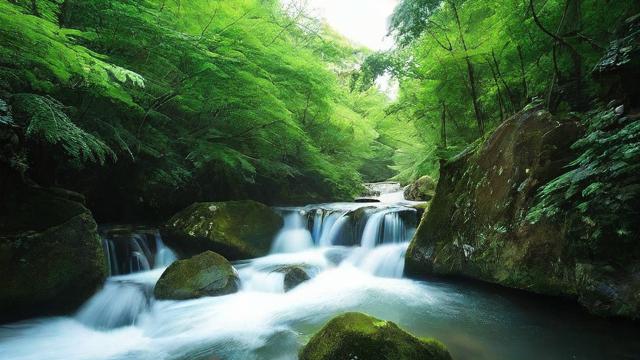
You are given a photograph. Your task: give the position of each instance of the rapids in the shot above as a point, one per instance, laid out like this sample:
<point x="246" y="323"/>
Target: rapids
<point x="354" y="253"/>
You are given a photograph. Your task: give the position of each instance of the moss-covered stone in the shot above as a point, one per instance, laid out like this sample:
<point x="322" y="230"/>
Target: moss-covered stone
<point x="207" y="274"/>
<point x="235" y="229"/>
<point x="422" y="189"/>
<point x="477" y="223"/>
<point x="50" y="253"/>
<point x="362" y="337"/>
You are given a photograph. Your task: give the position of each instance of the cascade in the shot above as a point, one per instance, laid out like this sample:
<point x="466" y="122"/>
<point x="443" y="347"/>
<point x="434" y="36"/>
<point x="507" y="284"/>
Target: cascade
<point x="294" y="236"/>
<point x="354" y="256"/>
<point x="129" y="250"/>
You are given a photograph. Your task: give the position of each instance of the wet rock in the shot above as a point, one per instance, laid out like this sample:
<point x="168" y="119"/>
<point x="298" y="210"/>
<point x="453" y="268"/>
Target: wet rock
<point x="477" y="223"/>
<point x="235" y="229"/>
<point x="50" y="253"/>
<point x="207" y="274"/>
<point x="422" y="189"/>
<point x="362" y="337"/>
<point x="294" y="276"/>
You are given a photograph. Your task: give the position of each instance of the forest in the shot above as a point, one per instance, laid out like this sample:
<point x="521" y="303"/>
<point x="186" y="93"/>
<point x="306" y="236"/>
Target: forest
<point x="228" y="179"/>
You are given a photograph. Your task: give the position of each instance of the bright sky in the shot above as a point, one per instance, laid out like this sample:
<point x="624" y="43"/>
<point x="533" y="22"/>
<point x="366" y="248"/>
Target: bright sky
<point x="364" y="22"/>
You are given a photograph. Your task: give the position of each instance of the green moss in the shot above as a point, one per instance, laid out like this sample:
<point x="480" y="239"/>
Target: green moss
<point x="236" y="229"/>
<point x="359" y="336"/>
<point x="422" y="189"/>
<point x="207" y="274"/>
<point x="50" y="255"/>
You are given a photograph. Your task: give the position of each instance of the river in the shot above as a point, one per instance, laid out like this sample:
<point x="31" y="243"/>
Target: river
<point x="354" y="253"/>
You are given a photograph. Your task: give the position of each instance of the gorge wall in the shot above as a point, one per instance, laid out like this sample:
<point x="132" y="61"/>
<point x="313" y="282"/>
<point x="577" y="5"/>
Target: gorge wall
<point x="477" y="225"/>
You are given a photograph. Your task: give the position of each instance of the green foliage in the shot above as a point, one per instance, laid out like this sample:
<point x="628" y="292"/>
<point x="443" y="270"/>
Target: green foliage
<point x="47" y="122"/>
<point x="198" y="100"/>
<point x="448" y="49"/>
<point x="602" y="183"/>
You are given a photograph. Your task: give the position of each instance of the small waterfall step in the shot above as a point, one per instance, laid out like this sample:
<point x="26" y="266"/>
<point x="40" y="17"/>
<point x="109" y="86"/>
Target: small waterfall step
<point x="130" y="249"/>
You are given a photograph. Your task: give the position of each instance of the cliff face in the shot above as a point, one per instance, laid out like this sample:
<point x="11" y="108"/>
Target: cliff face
<point x="476" y="226"/>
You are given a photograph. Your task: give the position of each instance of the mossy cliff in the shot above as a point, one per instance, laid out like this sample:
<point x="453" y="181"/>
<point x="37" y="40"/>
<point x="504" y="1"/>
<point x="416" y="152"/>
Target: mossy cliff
<point x="235" y="229"/>
<point x="362" y="337"/>
<point x="477" y="224"/>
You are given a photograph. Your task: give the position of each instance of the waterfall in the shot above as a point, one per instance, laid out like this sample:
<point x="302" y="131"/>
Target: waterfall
<point x="131" y="255"/>
<point x="164" y="256"/>
<point x="353" y="255"/>
<point x="316" y="230"/>
<point x="382" y="233"/>
<point x="294" y="236"/>
<point x="336" y="230"/>
<point x="384" y="260"/>
<point x="387" y="226"/>
<point x="328" y="221"/>
<point x="371" y="233"/>
<point x="130" y="250"/>
<point x="117" y="304"/>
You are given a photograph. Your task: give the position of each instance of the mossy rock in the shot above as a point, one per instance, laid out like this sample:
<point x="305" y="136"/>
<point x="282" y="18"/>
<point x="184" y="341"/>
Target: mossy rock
<point x="207" y="274"/>
<point x="236" y="229"/>
<point x="422" y="189"/>
<point x="294" y="276"/>
<point x="477" y="225"/>
<point x="50" y="253"/>
<point x="362" y="337"/>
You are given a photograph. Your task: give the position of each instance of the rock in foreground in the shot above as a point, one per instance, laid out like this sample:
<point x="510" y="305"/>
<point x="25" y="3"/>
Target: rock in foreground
<point x="50" y="253"/>
<point x="235" y="229"/>
<point x="358" y="336"/>
<point x="207" y="274"/>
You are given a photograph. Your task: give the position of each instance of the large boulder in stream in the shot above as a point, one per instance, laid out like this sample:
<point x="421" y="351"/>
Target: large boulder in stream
<point x="362" y="337"/>
<point x="477" y="224"/>
<point x="422" y="189"/>
<point x="51" y="256"/>
<point x="235" y="229"/>
<point x="207" y="274"/>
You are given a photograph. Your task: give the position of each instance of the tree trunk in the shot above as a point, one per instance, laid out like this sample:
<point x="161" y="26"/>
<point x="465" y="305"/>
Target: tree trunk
<point x="443" y="125"/>
<point x="498" y="91"/>
<point x="470" y="73"/>
<point x="523" y="76"/>
<point x="34" y="8"/>
<point x="510" y="95"/>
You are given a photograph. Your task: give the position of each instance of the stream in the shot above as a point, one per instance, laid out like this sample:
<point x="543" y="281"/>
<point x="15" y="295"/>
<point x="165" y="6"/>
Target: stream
<point x="354" y="253"/>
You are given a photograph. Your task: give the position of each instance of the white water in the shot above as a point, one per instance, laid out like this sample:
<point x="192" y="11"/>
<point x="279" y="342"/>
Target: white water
<point x="261" y="321"/>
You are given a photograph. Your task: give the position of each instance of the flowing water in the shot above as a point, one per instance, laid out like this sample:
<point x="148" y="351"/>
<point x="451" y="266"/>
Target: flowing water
<point x="355" y="256"/>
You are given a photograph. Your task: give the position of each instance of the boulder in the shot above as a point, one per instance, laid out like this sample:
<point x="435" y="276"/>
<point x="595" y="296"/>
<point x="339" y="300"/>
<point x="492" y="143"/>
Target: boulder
<point x="422" y="189"/>
<point x="51" y="256"/>
<point x="362" y="337"/>
<point x="207" y="274"/>
<point x="294" y="276"/>
<point x="477" y="224"/>
<point x="235" y="229"/>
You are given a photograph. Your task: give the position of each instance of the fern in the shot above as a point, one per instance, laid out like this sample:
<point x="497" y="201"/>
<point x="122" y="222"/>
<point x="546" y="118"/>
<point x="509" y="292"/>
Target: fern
<point x="602" y="186"/>
<point x="123" y="75"/>
<point x="46" y="121"/>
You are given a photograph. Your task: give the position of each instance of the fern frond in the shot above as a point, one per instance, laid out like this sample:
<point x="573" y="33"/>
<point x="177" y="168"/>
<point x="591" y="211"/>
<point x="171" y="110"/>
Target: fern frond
<point x="46" y="121"/>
